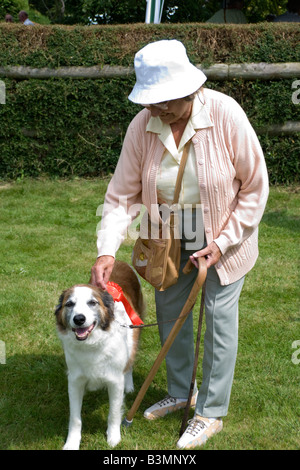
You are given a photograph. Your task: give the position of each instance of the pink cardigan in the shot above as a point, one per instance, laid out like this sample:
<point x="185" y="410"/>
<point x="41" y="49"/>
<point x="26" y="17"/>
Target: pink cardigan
<point x="232" y="176"/>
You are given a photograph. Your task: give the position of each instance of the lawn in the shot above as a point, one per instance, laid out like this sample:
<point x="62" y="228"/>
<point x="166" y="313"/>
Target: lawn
<point x="48" y="243"/>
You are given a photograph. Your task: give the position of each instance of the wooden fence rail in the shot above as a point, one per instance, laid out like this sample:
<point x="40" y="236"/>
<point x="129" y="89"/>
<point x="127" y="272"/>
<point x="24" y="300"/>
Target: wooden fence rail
<point x="258" y="71"/>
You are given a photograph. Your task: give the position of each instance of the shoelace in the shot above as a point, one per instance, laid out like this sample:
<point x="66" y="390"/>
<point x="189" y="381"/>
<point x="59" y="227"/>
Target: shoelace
<point x="165" y="401"/>
<point x="194" y="426"/>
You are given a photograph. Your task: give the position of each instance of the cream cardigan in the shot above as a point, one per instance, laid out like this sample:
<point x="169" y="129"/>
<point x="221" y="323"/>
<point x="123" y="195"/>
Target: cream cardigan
<point x="167" y="174"/>
<point x="232" y="178"/>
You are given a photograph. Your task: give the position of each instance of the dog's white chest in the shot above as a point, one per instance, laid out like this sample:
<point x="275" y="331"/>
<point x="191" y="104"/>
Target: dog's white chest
<point x="97" y="369"/>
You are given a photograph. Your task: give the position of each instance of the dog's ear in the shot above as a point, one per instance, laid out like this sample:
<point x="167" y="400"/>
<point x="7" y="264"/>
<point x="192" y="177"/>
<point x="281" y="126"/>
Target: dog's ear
<point x="59" y="314"/>
<point x="108" y="302"/>
<point x="59" y="305"/>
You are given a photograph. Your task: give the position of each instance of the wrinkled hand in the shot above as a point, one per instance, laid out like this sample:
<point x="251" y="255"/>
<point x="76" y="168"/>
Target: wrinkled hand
<point x="211" y="253"/>
<point x="101" y="271"/>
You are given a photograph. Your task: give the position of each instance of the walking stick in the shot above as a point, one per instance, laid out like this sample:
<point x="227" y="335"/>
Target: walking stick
<point x="191" y="392"/>
<point x="172" y="335"/>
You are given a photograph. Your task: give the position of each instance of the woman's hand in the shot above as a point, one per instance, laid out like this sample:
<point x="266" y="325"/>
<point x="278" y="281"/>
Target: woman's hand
<point x="101" y="271"/>
<point x="212" y="254"/>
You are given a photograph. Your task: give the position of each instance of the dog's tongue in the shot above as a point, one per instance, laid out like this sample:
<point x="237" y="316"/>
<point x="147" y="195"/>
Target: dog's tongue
<point x="81" y="331"/>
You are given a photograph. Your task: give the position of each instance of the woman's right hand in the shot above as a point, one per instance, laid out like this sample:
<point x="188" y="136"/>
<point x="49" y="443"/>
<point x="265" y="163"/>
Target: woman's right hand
<point x="211" y="253"/>
<point x="101" y="271"/>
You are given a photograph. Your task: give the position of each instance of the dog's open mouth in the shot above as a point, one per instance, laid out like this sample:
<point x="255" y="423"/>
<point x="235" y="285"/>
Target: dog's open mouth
<point x="83" y="333"/>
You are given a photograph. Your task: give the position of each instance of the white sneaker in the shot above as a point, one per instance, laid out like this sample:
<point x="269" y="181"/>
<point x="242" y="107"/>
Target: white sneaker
<point x="198" y="431"/>
<point x="168" y="405"/>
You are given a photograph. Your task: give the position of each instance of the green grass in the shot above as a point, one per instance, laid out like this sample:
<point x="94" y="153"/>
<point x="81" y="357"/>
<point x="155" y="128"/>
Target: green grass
<point x="48" y="243"/>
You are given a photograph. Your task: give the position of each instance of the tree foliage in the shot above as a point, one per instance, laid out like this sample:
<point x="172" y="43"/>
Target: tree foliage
<point x="133" y="11"/>
<point x="12" y="7"/>
<point x="183" y="11"/>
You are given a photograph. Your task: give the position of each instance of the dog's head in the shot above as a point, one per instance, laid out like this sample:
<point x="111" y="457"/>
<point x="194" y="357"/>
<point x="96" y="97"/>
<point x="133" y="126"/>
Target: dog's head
<point x="82" y="309"/>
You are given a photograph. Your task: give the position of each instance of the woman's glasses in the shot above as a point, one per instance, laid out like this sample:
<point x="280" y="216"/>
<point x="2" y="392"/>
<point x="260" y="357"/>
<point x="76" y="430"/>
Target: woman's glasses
<point x="163" y="105"/>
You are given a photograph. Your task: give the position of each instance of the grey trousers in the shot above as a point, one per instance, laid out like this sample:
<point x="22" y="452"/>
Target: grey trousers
<point x="220" y="340"/>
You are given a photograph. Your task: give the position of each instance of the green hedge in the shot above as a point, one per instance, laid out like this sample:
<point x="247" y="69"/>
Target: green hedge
<point x="53" y="46"/>
<point x="64" y="127"/>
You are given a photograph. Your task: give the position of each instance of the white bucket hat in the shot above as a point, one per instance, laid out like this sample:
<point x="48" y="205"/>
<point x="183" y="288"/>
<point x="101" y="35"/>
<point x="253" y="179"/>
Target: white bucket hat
<point x="164" y="72"/>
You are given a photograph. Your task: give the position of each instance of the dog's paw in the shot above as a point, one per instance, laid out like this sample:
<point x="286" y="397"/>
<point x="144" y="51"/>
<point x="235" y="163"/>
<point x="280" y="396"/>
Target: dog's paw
<point x="72" y="444"/>
<point x="113" y="436"/>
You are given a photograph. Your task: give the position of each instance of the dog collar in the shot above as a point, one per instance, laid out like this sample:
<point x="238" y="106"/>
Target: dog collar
<point x="117" y="294"/>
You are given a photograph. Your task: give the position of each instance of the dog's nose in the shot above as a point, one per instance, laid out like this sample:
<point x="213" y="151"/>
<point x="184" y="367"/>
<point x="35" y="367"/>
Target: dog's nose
<point x="79" y="319"/>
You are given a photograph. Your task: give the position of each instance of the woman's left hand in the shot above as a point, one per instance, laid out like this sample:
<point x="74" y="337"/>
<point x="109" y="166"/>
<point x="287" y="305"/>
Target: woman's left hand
<point x="212" y="254"/>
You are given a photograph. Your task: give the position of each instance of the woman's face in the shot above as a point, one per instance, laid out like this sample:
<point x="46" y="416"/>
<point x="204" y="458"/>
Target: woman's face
<point x="171" y="111"/>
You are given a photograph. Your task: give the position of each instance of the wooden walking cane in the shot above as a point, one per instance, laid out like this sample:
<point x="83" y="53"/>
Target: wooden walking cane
<point x="191" y="392"/>
<point x="172" y="335"/>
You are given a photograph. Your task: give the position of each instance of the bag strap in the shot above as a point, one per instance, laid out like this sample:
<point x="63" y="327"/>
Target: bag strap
<point x="181" y="171"/>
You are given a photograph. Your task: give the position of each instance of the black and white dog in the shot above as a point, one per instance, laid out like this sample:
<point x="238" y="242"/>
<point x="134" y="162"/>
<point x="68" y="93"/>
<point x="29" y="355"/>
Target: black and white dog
<point x="99" y="351"/>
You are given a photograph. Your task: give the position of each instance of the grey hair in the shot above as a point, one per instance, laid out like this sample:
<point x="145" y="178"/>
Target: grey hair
<point x="191" y="97"/>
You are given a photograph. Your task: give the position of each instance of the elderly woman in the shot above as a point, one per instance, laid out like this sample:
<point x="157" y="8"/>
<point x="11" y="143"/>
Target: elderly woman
<point x="226" y="174"/>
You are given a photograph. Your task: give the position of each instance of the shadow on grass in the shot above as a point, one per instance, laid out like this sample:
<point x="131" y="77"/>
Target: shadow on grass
<point x="282" y="219"/>
<point x="34" y="404"/>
